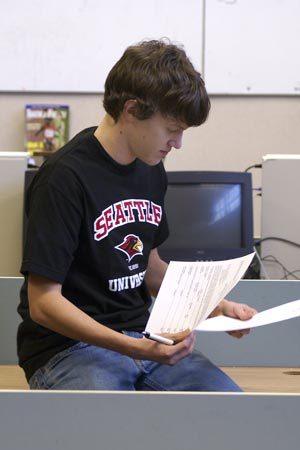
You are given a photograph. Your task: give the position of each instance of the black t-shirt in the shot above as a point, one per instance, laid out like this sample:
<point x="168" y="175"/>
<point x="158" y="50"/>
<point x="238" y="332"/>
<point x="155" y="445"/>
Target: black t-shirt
<point x="91" y="226"/>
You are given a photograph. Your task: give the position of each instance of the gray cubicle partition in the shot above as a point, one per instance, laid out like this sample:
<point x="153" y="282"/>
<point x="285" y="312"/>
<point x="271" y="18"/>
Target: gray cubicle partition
<point x="271" y="345"/>
<point x="9" y="318"/>
<point x="277" y="344"/>
<point x="56" y="420"/>
<point x="147" y="421"/>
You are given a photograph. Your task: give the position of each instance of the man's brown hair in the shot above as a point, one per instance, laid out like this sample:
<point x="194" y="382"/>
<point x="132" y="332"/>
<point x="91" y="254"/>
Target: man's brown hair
<point x="161" y="78"/>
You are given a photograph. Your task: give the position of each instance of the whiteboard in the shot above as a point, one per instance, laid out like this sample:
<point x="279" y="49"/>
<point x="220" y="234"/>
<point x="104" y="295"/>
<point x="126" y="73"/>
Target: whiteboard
<point x="70" y="45"/>
<point x="252" y="46"/>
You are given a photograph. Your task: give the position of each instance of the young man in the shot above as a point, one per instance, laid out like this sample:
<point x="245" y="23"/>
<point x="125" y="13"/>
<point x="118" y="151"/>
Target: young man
<point x="96" y="219"/>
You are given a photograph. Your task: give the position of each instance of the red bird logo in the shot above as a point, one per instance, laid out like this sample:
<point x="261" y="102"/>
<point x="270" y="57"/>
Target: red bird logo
<point x="131" y="246"/>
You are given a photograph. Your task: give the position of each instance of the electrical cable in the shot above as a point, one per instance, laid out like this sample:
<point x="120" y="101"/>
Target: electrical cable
<point x="286" y="271"/>
<point x="254" y="166"/>
<point x="260" y="262"/>
<point x="293" y="273"/>
<point x="273" y="238"/>
<point x="276" y="261"/>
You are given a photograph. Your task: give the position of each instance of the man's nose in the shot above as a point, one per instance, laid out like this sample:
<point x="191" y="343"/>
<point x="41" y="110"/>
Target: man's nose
<point x="176" y="143"/>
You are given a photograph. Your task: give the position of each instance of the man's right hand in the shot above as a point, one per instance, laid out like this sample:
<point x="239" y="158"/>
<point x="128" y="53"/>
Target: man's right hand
<point x="184" y="343"/>
<point x="49" y="308"/>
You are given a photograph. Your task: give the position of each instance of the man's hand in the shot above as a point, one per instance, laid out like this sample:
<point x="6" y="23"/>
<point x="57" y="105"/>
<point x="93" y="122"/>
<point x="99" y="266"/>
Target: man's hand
<point x="184" y="343"/>
<point x="237" y="311"/>
<point x="49" y="308"/>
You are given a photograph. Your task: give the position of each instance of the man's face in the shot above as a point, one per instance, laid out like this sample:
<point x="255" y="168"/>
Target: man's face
<point x="152" y="139"/>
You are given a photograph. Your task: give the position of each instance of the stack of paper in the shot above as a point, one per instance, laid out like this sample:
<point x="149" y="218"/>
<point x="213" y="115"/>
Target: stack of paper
<point x="191" y="291"/>
<point x="277" y="314"/>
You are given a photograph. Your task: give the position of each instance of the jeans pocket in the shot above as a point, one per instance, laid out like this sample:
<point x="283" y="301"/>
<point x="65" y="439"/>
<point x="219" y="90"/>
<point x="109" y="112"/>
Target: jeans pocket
<point x="61" y="355"/>
<point x="49" y="374"/>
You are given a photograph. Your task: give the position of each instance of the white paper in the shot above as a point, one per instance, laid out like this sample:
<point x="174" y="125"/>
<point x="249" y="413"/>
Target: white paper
<point x="190" y="291"/>
<point x="272" y="315"/>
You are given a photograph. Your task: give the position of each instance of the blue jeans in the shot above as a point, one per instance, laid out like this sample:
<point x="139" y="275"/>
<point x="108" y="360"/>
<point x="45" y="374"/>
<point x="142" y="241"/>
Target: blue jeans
<point x="88" y="367"/>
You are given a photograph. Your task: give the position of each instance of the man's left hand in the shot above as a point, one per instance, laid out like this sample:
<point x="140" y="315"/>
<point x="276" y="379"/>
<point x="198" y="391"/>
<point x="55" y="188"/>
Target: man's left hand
<point x="237" y="311"/>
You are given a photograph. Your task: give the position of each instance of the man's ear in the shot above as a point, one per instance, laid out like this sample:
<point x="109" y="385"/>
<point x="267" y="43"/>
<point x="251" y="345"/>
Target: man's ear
<point x="130" y="110"/>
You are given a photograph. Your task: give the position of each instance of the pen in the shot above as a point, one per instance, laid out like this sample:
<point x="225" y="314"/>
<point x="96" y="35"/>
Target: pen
<point x="157" y="338"/>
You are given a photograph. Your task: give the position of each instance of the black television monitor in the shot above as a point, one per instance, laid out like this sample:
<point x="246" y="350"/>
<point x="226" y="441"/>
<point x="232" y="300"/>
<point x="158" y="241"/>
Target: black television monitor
<point x="210" y="216"/>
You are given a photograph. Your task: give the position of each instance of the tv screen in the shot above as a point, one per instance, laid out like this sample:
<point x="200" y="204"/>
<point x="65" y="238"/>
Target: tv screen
<point x="209" y="216"/>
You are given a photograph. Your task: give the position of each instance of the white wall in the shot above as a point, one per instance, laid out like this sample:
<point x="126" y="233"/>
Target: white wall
<point x="238" y="132"/>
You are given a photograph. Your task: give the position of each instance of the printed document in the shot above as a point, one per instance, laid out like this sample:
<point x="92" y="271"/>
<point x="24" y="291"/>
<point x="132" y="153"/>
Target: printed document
<point x="277" y="314"/>
<point x="190" y="291"/>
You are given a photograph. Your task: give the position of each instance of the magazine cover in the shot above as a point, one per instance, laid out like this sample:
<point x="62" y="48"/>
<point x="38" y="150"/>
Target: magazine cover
<point x="47" y="128"/>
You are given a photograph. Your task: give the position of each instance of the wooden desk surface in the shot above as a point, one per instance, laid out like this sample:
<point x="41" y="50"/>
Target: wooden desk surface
<point x="266" y="379"/>
<point x="251" y="379"/>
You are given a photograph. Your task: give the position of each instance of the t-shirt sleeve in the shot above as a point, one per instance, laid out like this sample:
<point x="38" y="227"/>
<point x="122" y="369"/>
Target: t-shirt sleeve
<point x="162" y="232"/>
<point x="54" y="221"/>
